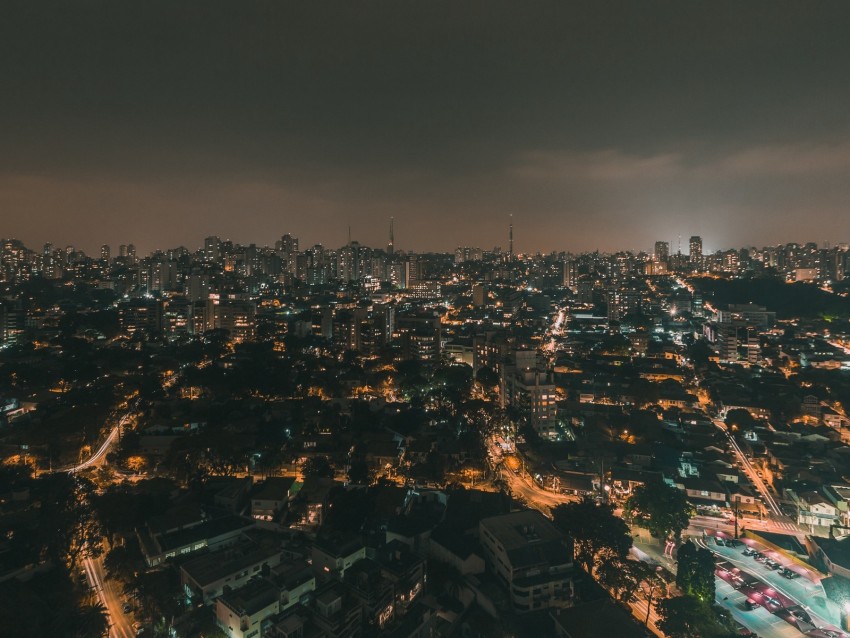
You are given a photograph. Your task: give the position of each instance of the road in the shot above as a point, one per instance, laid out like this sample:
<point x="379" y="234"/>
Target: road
<point x="783" y="523"/>
<point x="534" y="495"/>
<point x="805" y="591"/>
<point x="639" y="611"/>
<point x="120" y="624"/>
<point x="699" y="524"/>
<point x="109" y="594"/>
<point x="100" y="454"/>
<point x="759" y="620"/>
<point x="520" y="483"/>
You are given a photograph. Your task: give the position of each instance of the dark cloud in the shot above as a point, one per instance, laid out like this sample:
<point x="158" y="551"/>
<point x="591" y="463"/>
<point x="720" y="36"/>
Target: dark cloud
<point x="160" y="122"/>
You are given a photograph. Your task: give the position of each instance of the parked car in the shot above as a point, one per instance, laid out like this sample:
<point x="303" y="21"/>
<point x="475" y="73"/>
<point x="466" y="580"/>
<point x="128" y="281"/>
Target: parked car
<point x="719" y="541"/>
<point x="749" y="551"/>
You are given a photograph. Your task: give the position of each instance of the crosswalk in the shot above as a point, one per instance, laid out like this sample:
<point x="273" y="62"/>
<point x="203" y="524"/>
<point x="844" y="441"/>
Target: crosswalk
<point x="791" y="527"/>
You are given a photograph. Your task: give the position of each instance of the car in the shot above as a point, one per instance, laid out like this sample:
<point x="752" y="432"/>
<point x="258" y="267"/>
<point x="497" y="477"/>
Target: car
<point x="126" y="608"/>
<point x="719" y="541"/>
<point x="772" y="564"/>
<point x="733" y="542"/>
<point x="749" y="551"/>
<point x="750" y="604"/>
<point x="790" y="574"/>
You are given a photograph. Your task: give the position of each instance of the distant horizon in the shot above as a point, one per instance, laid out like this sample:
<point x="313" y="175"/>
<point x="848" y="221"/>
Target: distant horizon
<point x="114" y="246"/>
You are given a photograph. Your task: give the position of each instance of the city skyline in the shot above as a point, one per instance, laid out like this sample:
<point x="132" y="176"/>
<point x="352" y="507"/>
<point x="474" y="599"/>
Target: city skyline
<point x="677" y="245"/>
<point x="716" y="119"/>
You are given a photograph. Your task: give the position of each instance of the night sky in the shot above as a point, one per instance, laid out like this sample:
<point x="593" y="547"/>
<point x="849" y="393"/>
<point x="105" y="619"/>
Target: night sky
<point x="597" y="124"/>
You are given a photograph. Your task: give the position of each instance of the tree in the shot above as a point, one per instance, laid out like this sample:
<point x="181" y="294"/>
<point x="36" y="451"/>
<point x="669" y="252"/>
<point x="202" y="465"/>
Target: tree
<point x="740" y="419"/>
<point x="596" y="532"/>
<point x="487" y="377"/>
<point x="699" y="353"/>
<point x="67" y="521"/>
<point x="651" y="584"/>
<point x="90" y="621"/>
<point x="695" y="572"/>
<point x="123" y="562"/>
<point x="689" y="617"/>
<point x="660" y="508"/>
<point x="318" y="466"/>
<point x="359" y="472"/>
<point x="621" y="577"/>
<point x="154" y="591"/>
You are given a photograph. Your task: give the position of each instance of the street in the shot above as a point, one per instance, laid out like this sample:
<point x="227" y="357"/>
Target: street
<point x="534" y="496"/>
<point x="782" y="521"/>
<point x="805" y="591"/>
<point x="109" y="594"/>
<point x="711" y="523"/>
<point x="519" y="482"/>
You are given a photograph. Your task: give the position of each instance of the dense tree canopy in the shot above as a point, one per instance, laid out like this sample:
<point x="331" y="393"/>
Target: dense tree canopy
<point x="695" y="572"/>
<point x="660" y="508"/>
<point x="596" y="532"/>
<point x="689" y="617"/>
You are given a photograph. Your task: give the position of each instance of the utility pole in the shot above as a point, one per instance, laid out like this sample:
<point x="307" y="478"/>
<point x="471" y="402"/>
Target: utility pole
<point x="737" y="505"/>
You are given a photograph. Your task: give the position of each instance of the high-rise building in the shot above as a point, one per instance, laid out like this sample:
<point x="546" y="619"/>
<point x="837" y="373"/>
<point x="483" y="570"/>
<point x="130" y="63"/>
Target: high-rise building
<point x="696" y="249"/>
<point x="288" y="244"/>
<point x="212" y="248"/>
<point x="479" y="295"/>
<point x="662" y="250"/>
<point x="391" y="244"/>
<point x="570" y="274"/>
<point x="465" y="253"/>
<point x="105" y="252"/>
<point x="164" y="275"/>
<point x="198" y="287"/>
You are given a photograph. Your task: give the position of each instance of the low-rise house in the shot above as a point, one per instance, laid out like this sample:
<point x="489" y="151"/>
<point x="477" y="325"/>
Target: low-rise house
<point x="705" y="492"/>
<point x="214" y="533"/>
<point x="815" y="510"/>
<point x="271" y="497"/>
<point x="336" y="612"/>
<point x="373" y="591"/>
<point x="458" y="550"/>
<point x="311" y="502"/>
<point x="333" y="555"/>
<point x="206" y="577"/>
<point x="295" y="580"/>
<point x="839" y="495"/>
<point x="404" y="569"/>
<point x="231" y="492"/>
<point x="247" y="612"/>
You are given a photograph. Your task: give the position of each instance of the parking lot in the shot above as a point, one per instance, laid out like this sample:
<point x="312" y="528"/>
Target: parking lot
<point x="765" y="601"/>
